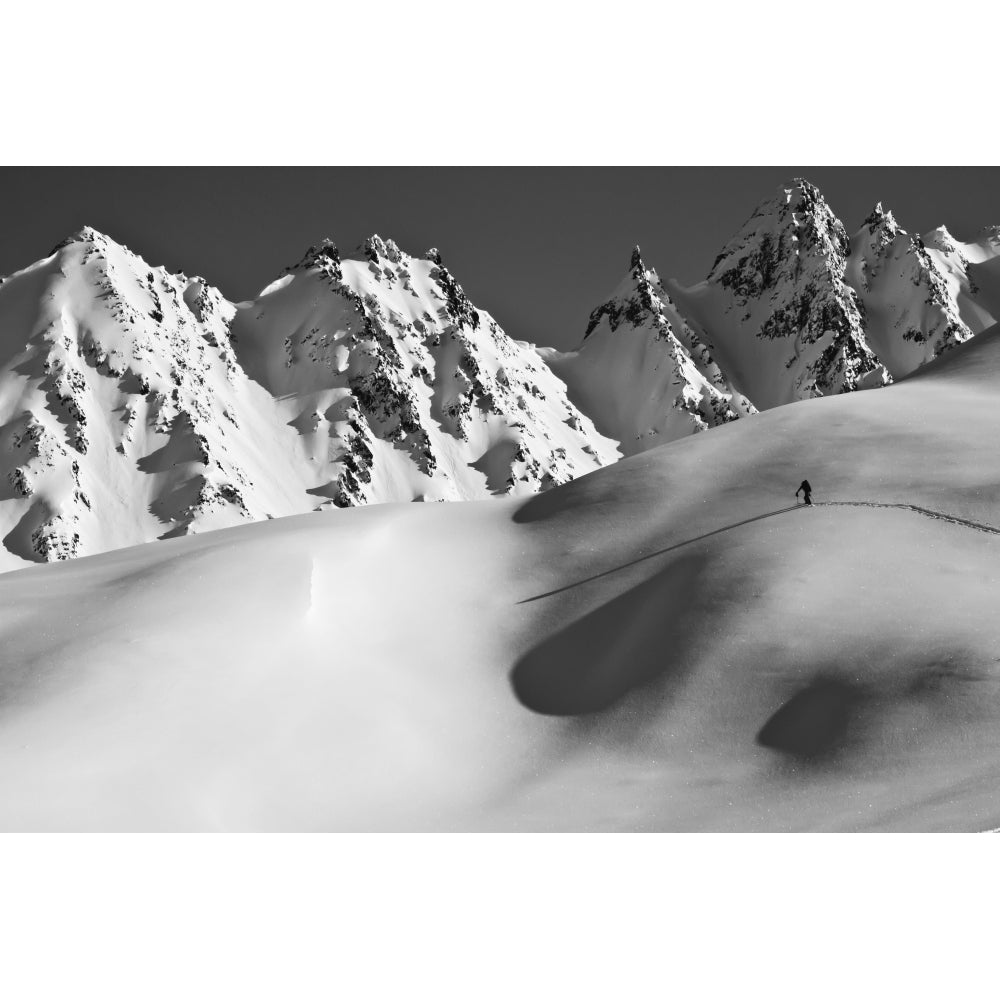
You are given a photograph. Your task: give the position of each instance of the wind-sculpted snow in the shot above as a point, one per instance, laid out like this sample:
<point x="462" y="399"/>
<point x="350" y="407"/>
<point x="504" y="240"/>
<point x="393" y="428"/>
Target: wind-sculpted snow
<point x="401" y="389"/>
<point x="642" y="373"/>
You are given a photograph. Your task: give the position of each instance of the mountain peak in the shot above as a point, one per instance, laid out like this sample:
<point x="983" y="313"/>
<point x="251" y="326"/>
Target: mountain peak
<point x="801" y="195"/>
<point x="374" y="247"/>
<point x="940" y="239"/>
<point x="636" y="264"/>
<point x="323" y="254"/>
<point x="85" y="234"/>
<point x="880" y="219"/>
<point x="782" y="278"/>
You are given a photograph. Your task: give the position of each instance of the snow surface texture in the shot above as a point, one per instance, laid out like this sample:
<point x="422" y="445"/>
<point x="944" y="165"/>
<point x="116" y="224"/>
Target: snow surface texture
<point x="128" y="412"/>
<point x="669" y="643"/>
<point x="792" y="309"/>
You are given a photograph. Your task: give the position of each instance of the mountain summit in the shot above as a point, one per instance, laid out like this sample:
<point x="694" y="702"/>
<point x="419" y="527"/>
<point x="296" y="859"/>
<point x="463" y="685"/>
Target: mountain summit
<point x="401" y="389"/>
<point x="124" y="412"/>
<point x="785" y="322"/>
<point x="641" y="372"/>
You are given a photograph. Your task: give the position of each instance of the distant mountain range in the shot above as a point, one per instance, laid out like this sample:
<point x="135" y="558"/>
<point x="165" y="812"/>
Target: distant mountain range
<point x="792" y="308"/>
<point x="137" y="404"/>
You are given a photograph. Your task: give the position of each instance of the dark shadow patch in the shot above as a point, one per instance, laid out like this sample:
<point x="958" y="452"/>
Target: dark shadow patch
<point x="18" y="539"/>
<point x="181" y="448"/>
<point x="814" y="722"/>
<point x="634" y="640"/>
<point x="571" y="496"/>
<point x="659" y="552"/>
<point x="495" y="464"/>
<point x="328" y="491"/>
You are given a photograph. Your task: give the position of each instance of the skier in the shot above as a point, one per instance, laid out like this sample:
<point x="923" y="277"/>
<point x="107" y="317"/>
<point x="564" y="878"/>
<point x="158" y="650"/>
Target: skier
<point x="806" y="490"/>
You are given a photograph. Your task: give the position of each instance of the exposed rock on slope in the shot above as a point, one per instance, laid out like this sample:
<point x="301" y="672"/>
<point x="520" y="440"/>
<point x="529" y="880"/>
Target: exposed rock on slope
<point x="124" y="415"/>
<point x="401" y="389"/>
<point x="911" y="315"/>
<point x="642" y="373"/>
<point x="972" y="274"/>
<point x="785" y="323"/>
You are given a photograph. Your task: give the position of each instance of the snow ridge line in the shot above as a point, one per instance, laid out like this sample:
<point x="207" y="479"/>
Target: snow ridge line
<point x="926" y="512"/>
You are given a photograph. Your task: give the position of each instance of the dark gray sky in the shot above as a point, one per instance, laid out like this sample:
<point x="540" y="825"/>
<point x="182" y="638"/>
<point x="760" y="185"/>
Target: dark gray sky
<point x="539" y="247"/>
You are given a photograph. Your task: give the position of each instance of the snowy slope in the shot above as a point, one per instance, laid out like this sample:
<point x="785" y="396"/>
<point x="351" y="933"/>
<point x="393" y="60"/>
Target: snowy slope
<point x="972" y="274"/>
<point x="777" y="307"/>
<point x="124" y="415"/>
<point x="662" y="644"/>
<point x="401" y="389"/>
<point x="641" y="373"/>
<point x="910" y="307"/>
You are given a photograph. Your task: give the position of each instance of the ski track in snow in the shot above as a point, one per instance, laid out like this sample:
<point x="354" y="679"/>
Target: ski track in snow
<point x="924" y="511"/>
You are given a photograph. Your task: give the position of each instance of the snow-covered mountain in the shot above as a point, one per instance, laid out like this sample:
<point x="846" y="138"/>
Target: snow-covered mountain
<point x="137" y="404"/>
<point x="127" y="412"/>
<point x="797" y="309"/>
<point x="911" y="314"/>
<point x="642" y="373"/>
<point x="401" y="389"/>
<point x="124" y="413"/>
<point x="792" y="309"/>
<point x="785" y="322"/>
<point x="972" y="274"/>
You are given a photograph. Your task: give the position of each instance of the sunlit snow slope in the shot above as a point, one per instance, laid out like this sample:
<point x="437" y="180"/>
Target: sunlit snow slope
<point x="401" y="389"/>
<point x="793" y="308"/>
<point x="124" y="414"/>
<point x="660" y="645"/>
<point x="129" y="413"/>
<point x="642" y="373"/>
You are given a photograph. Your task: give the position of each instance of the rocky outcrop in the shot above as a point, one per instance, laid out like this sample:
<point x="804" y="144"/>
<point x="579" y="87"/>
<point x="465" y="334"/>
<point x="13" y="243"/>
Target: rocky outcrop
<point x="781" y="282"/>
<point x="402" y="389"/>
<point x="642" y="373"/>
<point x="910" y="313"/>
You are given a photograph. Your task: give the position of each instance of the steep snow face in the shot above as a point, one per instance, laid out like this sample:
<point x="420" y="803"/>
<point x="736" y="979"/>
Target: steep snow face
<point x="910" y="307"/>
<point x="401" y="389"/>
<point x="785" y="323"/>
<point x="124" y="414"/>
<point x="971" y="272"/>
<point x="642" y="373"/>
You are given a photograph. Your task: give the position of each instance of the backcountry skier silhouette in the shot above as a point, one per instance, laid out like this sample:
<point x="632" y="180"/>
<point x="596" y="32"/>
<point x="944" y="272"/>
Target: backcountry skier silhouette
<point x="806" y="490"/>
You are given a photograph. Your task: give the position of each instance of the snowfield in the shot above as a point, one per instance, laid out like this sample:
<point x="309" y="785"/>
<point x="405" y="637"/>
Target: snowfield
<point x="667" y="643"/>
